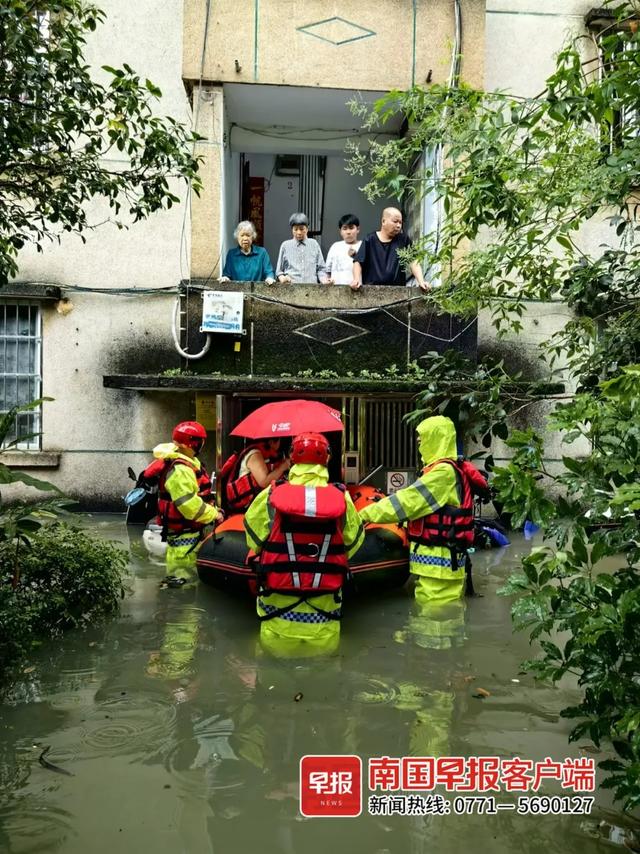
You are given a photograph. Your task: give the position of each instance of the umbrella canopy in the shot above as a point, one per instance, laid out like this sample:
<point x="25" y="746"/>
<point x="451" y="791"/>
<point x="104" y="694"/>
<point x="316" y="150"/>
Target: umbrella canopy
<point x="288" y="418"/>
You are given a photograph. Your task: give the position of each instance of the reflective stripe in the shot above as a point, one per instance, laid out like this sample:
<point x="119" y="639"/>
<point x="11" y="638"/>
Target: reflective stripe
<point x="325" y="548"/>
<point x="184" y="498"/>
<point x="256" y="539"/>
<point x="295" y="616"/>
<point x="180" y="540"/>
<point x="317" y="578"/>
<point x="400" y="511"/>
<point x="290" y="547"/>
<point x="292" y="557"/>
<point x="358" y="536"/>
<point x="203" y="508"/>
<point x="310" y="501"/>
<point x="430" y="560"/>
<point x="426" y="493"/>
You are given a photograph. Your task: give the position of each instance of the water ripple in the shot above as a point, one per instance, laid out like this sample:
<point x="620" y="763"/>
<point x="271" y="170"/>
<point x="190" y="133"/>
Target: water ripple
<point x="205" y="762"/>
<point x="32" y="829"/>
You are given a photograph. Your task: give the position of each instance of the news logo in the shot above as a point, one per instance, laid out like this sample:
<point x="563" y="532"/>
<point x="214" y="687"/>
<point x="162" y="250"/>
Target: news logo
<point x="331" y="786"/>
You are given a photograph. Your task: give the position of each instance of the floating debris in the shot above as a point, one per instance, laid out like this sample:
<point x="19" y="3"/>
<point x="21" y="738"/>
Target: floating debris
<point x="481" y="693"/>
<point x="50" y="766"/>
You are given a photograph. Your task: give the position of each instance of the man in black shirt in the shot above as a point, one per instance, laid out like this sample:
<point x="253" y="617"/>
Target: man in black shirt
<point x="377" y="262"/>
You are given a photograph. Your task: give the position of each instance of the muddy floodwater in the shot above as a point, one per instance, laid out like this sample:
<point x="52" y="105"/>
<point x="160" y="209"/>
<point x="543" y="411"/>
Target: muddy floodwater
<point x="180" y="734"/>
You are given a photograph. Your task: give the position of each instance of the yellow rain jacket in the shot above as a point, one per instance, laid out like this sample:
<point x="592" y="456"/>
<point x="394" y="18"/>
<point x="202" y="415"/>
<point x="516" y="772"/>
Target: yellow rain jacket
<point x="436" y="581"/>
<point x="182" y="486"/>
<point x="294" y="625"/>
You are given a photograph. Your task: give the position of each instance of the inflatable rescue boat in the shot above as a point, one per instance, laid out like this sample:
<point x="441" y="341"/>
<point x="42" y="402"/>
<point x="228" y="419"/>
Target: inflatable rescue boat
<point x="381" y="563"/>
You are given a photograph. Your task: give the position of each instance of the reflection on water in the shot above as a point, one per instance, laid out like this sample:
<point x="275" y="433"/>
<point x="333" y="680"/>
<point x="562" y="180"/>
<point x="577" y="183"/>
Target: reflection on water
<point x="184" y="735"/>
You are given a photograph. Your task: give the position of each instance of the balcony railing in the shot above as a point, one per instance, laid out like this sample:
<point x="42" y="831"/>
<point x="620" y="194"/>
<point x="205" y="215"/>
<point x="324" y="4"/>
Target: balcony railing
<point x="322" y="330"/>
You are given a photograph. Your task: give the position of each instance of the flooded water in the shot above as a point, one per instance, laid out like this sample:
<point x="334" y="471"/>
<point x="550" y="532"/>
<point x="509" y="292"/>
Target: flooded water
<point x="182" y="735"/>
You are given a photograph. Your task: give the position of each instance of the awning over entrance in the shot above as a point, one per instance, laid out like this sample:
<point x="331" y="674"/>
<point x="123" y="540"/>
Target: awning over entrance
<point x="266" y="386"/>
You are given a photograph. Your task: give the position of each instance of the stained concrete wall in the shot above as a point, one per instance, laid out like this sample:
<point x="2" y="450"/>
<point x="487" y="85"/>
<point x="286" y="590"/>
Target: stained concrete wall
<point x="523" y="38"/>
<point x="98" y="430"/>
<point x="370" y="45"/>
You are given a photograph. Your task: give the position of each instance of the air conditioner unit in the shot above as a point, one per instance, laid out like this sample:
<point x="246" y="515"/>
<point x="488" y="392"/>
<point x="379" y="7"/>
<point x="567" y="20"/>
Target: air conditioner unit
<point x="287" y="164"/>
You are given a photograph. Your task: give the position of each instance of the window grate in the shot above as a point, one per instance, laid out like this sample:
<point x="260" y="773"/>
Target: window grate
<point x="390" y="441"/>
<point x="625" y="122"/>
<point x="311" y="190"/>
<point x="21" y="369"/>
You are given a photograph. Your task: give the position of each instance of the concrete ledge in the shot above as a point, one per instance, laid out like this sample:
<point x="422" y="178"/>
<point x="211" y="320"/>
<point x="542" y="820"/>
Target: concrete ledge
<point x="264" y="386"/>
<point x="31" y="290"/>
<point x="31" y="459"/>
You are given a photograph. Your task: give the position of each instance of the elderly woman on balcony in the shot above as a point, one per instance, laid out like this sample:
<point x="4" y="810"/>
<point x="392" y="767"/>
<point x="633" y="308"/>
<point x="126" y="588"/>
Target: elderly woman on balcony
<point x="246" y="262"/>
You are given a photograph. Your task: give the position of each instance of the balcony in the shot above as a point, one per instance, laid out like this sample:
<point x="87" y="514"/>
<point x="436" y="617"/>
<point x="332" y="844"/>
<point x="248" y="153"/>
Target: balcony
<point x="316" y="339"/>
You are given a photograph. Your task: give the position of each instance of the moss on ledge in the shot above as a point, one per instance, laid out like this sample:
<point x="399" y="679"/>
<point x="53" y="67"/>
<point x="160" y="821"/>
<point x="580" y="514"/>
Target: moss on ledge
<point x="392" y="386"/>
<point x="266" y="385"/>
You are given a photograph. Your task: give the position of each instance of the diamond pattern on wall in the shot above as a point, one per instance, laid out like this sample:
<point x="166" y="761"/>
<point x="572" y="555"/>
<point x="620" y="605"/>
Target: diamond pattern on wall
<point x="331" y="331"/>
<point x="336" y="31"/>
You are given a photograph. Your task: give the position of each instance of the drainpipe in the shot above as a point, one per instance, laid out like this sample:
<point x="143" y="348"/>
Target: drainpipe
<point x="454" y="79"/>
<point x="454" y="74"/>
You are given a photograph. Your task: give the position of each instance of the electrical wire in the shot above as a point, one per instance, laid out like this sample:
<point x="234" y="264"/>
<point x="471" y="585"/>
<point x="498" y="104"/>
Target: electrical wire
<point x="453" y="82"/>
<point x="194" y="126"/>
<point x="429" y="334"/>
<point x="122" y="292"/>
<point x="336" y="309"/>
<point x="172" y="289"/>
<point x="293" y="133"/>
<point x="174" y="331"/>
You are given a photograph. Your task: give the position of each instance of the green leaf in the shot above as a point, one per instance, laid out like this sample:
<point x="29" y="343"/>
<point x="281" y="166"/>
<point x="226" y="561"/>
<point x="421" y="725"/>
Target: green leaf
<point x="530" y="571"/>
<point x="575" y="466"/>
<point x="10" y="476"/>
<point x="501" y="430"/>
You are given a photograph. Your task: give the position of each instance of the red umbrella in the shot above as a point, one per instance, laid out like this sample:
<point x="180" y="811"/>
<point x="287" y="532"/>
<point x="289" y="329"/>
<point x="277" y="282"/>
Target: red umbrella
<point x="288" y="418"/>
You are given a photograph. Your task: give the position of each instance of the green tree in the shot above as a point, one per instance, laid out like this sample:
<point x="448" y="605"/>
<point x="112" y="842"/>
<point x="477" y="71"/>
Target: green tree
<point x="517" y="178"/>
<point x="58" y="126"/>
<point x="52" y="576"/>
<point x="20" y="519"/>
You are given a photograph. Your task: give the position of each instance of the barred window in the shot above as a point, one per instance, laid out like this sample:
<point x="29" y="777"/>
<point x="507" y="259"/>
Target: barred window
<point x="618" y="46"/>
<point x="20" y="368"/>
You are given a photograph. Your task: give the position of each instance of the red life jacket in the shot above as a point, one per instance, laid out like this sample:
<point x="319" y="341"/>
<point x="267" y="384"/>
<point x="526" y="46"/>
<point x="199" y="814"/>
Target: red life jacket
<point x="237" y="493"/>
<point x="169" y="516"/>
<point x="450" y="526"/>
<point x="305" y="554"/>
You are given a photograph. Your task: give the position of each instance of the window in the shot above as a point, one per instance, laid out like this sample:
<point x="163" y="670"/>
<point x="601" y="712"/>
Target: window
<point x="619" y="50"/>
<point x="20" y="368"/>
<point x="626" y="119"/>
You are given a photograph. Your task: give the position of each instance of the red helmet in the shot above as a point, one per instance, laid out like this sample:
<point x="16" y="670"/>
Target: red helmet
<point x="189" y="433"/>
<point x="310" y="448"/>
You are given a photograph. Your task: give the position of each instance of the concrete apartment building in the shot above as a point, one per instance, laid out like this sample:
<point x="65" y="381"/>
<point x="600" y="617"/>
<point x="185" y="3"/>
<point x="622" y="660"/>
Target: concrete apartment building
<point x="266" y="84"/>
